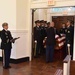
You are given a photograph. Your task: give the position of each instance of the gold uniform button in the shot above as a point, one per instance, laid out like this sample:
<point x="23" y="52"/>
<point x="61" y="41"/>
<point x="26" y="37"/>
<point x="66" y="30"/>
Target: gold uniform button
<point x="6" y="36"/>
<point x="68" y="31"/>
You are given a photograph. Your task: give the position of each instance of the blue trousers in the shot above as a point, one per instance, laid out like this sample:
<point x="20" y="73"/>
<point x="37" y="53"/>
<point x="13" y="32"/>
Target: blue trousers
<point x="7" y="53"/>
<point x="49" y="53"/>
<point x="38" y="48"/>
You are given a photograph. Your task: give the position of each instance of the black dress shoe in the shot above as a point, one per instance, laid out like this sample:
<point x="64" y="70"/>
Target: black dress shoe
<point x="47" y="61"/>
<point x="36" y="56"/>
<point x="7" y="67"/>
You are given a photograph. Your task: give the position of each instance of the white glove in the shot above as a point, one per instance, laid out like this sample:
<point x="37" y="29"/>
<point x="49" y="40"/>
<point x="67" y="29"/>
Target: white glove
<point x="43" y="41"/>
<point x="35" y="41"/>
<point x="45" y="37"/>
<point x="68" y="45"/>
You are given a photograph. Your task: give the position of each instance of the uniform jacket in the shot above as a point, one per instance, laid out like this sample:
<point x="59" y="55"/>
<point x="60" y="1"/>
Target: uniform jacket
<point x="69" y="34"/>
<point x="62" y="30"/>
<point x="6" y="38"/>
<point x="50" y="36"/>
<point x="43" y="32"/>
<point x="37" y="33"/>
<point x="0" y="33"/>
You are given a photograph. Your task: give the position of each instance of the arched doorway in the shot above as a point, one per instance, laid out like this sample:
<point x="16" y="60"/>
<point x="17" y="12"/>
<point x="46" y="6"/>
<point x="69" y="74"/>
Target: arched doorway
<point x="55" y="16"/>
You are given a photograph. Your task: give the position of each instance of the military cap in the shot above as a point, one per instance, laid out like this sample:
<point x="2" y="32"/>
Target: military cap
<point x="4" y="24"/>
<point x="42" y="21"/>
<point x="45" y="21"/>
<point x="48" y="23"/>
<point x="37" y="21"/>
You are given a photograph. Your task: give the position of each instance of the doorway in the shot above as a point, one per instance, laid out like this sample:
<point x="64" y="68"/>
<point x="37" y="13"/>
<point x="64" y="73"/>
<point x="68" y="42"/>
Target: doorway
<point x="54" y="15"/>
<point x="58" y="20"/>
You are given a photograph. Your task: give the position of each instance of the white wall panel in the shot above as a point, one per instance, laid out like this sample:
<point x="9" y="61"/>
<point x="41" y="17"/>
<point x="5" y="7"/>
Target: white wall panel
<point x="8" y="13"/>
<point x="20" y="47"/>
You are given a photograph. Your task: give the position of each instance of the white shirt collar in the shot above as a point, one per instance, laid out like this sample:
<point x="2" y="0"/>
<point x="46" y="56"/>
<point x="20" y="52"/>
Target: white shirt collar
<point x="5" y="29"/>
<point x="38" y="26"/>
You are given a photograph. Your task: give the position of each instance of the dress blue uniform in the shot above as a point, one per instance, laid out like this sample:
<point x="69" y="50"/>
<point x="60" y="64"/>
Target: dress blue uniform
<point x="6" y="46"/>
<point x="38" y="38"/>
<point x="62" y="30"/>
<point x="69" y="39"/>
<point x="43" y="33"/>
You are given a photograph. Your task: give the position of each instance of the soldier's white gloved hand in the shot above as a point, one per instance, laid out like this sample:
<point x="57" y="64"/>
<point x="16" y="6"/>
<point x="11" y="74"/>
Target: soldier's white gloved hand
<point x="35" y="41"/>
<point x="45" y="37"/>
<point x="68" y="45"/>
<point x="43" y="41"/>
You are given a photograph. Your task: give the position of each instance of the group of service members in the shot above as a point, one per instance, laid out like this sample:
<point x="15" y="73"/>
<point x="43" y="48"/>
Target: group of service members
<point x="47" y="30"/>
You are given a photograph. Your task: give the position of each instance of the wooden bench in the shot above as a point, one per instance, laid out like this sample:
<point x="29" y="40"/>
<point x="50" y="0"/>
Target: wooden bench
<point x="66" y="65"/>
<point x="72" y="68"/>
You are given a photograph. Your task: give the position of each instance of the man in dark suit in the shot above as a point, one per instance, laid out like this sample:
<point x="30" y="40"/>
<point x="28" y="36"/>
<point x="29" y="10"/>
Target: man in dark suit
<point x="38" y="37"/>
<point x="6" y="45"/>
<point x="50" y="42"/>
<point x="69" y="37"/>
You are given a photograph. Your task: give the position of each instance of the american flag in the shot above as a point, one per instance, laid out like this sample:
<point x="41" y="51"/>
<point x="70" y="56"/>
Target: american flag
<point x="60" y="41"/>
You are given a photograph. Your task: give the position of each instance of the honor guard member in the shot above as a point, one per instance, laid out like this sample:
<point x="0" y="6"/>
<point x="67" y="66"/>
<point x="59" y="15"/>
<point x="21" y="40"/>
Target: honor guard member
<point x="6" y="45"/>
<point x="72" y="25"/>
<point x="45" y="24"/>
<point x="69" y="37"/>
<point x="43" y="32"/>
<point x="37" y="38"/>
<point x="62" y="29"/>
<point x="0" y="33"/>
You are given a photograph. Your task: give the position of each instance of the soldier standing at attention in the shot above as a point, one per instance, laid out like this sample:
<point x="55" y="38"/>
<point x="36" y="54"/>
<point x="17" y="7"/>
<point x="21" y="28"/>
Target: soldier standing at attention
<point x="43" y="32"/>
<point x="72" y="25"/>
<point x="45" y="24"/>
<point x="6" y="45"/>
<point x="69" y="37"/>
<point x="38" y="38"/>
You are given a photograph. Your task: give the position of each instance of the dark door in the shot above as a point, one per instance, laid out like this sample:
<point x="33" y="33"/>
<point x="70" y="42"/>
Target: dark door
<point x="58" y="20"/>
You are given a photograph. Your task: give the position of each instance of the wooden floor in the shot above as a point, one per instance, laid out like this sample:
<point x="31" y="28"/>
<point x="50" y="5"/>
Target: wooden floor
<point x="37" y="67"/>
<point x="72" y="70"/>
